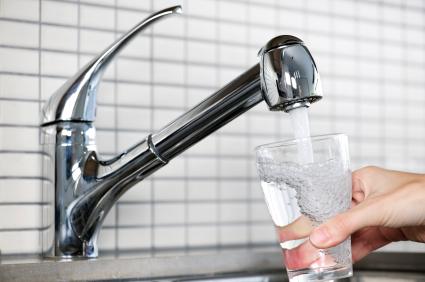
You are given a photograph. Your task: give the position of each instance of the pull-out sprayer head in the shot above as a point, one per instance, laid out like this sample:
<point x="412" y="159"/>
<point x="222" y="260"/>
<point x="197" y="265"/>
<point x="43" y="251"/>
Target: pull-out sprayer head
<point x="289" y="77"/>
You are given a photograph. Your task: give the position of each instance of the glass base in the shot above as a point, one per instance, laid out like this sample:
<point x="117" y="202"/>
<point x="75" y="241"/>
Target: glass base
<point x="320" y="274"/>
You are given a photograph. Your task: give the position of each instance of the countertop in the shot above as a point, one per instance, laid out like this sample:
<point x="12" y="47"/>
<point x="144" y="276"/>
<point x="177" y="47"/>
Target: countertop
<point x="171" y="268"/>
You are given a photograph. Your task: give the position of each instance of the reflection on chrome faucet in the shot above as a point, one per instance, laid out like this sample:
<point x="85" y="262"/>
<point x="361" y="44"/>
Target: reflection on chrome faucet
<point x="81" y="188"/>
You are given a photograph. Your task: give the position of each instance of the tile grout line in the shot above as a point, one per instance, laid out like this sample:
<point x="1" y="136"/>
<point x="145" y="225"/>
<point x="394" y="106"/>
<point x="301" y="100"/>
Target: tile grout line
<point x="152" y="97"/>
<point x="359" y="122"/>
<point x="43" y="193"/>
<point x="381" y="87"/>
<point x="248" y="139"/>
<point x="185" y="160"/>
<point x="405" y="67"/>
<point x="115" y="99"/>
<point x="217" y="134"/>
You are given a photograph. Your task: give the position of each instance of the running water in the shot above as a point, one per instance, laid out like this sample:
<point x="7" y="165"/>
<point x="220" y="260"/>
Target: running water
<point x="300" y="122"/>
<point x="301" y="127"/>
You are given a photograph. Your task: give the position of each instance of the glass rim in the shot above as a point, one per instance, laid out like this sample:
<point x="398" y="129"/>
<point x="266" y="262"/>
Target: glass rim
<point x="294" y="141"/>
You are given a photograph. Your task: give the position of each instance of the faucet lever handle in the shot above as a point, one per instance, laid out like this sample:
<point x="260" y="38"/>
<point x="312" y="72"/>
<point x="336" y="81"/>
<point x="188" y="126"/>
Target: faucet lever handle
<point x="76" y="99"/>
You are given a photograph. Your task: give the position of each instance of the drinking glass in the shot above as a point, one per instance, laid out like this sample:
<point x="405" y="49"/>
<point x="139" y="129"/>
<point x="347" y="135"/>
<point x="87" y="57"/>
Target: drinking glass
<point x="305" y="182"/>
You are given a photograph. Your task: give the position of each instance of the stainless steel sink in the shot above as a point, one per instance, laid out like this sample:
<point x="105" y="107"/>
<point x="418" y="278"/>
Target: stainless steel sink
<point x="240" y="266"/>
<point x="360" y="276"/>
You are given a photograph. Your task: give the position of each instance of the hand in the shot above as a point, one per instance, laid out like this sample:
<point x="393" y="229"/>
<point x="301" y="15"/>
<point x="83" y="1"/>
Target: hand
<point x="387" y="206"/>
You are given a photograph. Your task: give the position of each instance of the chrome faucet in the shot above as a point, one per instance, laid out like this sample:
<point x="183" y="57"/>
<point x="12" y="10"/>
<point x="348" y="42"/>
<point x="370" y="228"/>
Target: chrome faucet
<point x="80" y="188"/>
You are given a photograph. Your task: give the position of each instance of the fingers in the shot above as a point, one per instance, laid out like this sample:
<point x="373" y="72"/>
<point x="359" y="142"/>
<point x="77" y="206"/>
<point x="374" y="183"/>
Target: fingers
<point x="362" y="179"/>
<point x="358" y="193"/>
<point x="400" y="208"/>
<point x="369" y="239"/>
<point x="305" y="256"/>
<point x="378" y="181"/>
<point x="382" y="198"/>
<point x="414" y="233"/>
<point x="366" y="241"/>
<point x="298" y="229"/>
<point x="301" y="257"/>
<point x="338" y="228"/>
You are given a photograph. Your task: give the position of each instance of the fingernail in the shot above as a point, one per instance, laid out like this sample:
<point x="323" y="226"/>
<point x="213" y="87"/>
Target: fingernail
<point x="320" y="236"/>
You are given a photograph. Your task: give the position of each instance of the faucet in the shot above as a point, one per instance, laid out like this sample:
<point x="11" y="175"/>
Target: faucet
<point x="80" y="187"/>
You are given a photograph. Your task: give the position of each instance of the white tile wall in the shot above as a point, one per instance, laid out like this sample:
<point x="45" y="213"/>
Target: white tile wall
<point x="371" y="56"/>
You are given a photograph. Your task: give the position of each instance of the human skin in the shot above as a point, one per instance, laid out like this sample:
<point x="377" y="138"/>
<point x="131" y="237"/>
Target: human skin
<point x="387" y="206"/>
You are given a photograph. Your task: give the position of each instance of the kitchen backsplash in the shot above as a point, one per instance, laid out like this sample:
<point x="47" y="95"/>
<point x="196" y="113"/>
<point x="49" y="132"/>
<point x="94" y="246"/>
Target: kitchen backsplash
<point x="371" y="56"/>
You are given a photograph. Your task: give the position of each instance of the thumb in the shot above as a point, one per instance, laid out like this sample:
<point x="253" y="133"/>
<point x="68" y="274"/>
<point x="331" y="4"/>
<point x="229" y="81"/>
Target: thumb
<point x="340" y="227"/>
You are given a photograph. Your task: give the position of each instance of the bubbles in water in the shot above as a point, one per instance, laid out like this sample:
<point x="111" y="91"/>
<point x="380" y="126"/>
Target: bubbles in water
<point x="319" y="190"/>
<point x="342" y="252"/>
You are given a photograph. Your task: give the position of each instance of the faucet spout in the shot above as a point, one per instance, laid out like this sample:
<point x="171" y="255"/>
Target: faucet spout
<point x="81" y="188"/>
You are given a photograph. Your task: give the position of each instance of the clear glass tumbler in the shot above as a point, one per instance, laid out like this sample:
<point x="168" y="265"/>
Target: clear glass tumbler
<point x="305" y="182"/>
